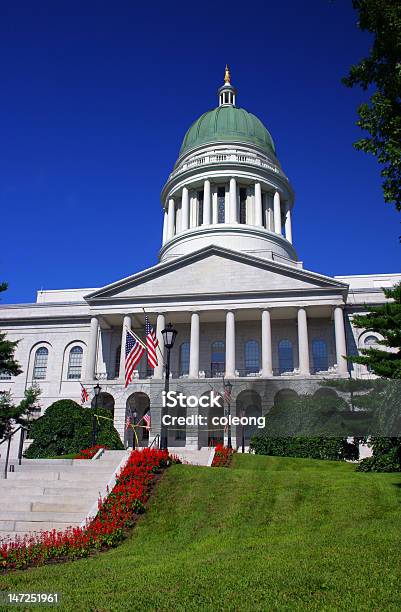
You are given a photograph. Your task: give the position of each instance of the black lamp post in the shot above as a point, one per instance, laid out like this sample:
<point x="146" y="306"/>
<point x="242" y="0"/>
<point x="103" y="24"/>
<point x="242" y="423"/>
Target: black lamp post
<point x="169" y="336"/>
<point x="228" y="388"/>
<point x="243" y="413"/>
<point x="134" y="415"/>
<point x="97" y="388"/>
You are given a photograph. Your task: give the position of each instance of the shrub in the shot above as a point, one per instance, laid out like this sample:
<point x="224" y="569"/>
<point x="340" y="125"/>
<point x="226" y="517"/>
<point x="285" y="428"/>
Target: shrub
<point x="335" y="449"/>
<point x="66" y="428"/>
<point x="386" y="456"/>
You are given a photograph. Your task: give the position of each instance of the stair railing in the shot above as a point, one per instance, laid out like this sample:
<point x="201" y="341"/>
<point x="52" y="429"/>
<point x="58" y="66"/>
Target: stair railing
<point x="155" y="442"/>
<point x="8" y="439"/>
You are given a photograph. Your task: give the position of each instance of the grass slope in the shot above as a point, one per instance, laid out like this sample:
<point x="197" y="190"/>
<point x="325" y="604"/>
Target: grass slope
<point x="266" y="534"/>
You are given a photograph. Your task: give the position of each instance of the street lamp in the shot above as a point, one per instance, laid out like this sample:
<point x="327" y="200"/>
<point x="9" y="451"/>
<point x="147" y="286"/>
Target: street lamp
<point x="243" y="413"/>
<point x="97" y="388"/>
<point x="169" y="335"/>
<point x="227" y="394"/>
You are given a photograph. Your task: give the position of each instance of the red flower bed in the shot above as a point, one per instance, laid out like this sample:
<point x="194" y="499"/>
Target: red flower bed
<point x="116" y="514"/>
<point x="222" y="456"/>
<point x="89" y="453"/>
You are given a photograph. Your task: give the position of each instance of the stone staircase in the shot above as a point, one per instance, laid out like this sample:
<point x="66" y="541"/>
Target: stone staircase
<point x="44" y="494"/>
<point x="204" y="456"/>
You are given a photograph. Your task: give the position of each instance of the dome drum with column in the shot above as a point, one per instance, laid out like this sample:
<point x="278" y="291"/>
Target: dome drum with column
<point x="227" y="188"/>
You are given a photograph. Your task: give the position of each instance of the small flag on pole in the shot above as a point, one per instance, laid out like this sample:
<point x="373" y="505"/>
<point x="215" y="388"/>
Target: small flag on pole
<point x="84" y="395"/>
<point x="134" y="349"/>
<point x="146" y="418"/>
<point x="152" y="343"/>
<point x="227" y="393"/>
<point x="128" y="423"/>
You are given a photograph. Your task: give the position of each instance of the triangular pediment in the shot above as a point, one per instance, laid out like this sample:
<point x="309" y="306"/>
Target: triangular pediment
<point x="215" y="271"/>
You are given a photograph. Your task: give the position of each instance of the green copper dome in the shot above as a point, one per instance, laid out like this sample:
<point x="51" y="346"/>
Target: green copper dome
<point x="228" y="124"/>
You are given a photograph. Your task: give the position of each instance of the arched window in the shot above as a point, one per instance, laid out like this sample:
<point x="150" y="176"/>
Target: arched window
<point x="285" y="356"/>
<point x="117" y="362"/>
<point x="75" y="363"/>
<point x="184" y="358"/>
<point x="370" y="341"/>
<point x="40" y="364"/>
<point x="319" y="354"/>
<point x="218" y="361"/>
<point x="252" y="356"/>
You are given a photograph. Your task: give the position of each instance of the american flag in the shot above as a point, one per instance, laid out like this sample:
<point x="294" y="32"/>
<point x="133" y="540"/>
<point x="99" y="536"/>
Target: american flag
<point x="152" y="343"/>
<point x="227" y="393"/>
<point x="84" y="395"/>
<point x="134" y="349"/>
<point x="146" y="418"/>
<point x="128" y="423"/>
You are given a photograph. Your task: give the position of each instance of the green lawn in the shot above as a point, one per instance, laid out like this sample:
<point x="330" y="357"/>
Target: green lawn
<point x="266" y="534"/>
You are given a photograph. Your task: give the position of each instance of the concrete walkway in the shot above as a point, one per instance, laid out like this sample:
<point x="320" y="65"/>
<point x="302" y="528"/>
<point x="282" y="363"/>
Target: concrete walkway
<point x="44" y="494"/>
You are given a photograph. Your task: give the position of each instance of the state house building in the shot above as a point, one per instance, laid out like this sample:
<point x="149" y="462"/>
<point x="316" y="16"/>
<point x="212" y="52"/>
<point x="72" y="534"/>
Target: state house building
<point x="228" y="278"/>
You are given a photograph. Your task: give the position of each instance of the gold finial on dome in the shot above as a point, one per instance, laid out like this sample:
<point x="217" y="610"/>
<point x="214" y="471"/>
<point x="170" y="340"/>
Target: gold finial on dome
<point x="227" y="76"/>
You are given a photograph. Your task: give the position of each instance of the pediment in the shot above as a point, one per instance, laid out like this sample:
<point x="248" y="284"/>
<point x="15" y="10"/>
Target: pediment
<point x="215" y="270"/>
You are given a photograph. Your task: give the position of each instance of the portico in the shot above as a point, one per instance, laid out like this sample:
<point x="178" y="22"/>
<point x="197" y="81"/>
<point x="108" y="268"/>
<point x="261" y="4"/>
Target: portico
<point x="251" y="342"/>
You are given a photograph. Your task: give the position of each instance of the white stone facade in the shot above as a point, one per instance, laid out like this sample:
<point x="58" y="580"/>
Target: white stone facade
<point x="229" y="280"/>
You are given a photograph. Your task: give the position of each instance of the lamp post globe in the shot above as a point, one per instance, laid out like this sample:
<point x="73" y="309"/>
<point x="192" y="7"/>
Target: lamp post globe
<point x="169" y="335"/>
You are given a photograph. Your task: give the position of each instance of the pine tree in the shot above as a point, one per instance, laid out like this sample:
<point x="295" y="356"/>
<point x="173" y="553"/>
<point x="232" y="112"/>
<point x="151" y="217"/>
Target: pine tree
<point x="8" y="365"/>
<point x="386" y="321"/>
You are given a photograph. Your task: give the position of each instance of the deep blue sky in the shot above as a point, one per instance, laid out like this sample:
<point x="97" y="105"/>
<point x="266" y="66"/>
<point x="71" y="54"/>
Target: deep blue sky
<point x="96" y="98"/>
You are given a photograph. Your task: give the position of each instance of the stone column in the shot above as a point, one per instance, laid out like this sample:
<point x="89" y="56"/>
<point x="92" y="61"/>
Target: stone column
<point x="303" y="343"/>
<point x="164" y="226"/>
<point x="258" y="205"/>
<point x="233" y="218"/>
<point x="288" y="225"/>
<point x="92" y="349"/>
<point x="207" y="203"/>
<point x="267" y="360"/>
<point x="126" y="325"/>
<point x="161" y="323"/>
<point x="277" y="213"/>
<point x="171" y="219"/>
<point x="194" y="347"/>
<point x="184" y="209"/>
<point x="230" y="345"/>
<point x="341" y="345"/>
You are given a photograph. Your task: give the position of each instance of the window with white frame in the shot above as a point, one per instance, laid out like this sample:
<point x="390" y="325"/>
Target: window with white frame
<point x="319" y="354"/>
<point x="370" y="341"/>
<point x="184" y="358"/>
<point x="75" y="363"/>
<point x="285" y="356"/>
<point x="40" y="363"/>
<point x="117" y="358"/>
<point x="218" y="358"/>
<point x="252" y="357"/>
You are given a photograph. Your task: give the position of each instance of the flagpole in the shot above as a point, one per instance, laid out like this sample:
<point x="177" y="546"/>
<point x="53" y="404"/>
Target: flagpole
<point x="158" y="345"/>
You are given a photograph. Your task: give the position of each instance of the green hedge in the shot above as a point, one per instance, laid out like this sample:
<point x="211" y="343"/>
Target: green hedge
<point x="336" y="449"/>
<point x="66" y="428"/>
<point x="386" y="456"/>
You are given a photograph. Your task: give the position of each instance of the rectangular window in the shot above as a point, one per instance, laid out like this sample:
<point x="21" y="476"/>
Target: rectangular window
<point x="242" y="205"/>
<point x="200" y="207"/>
<point x="221" y="205"/>
<point x="5" y="376"/>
